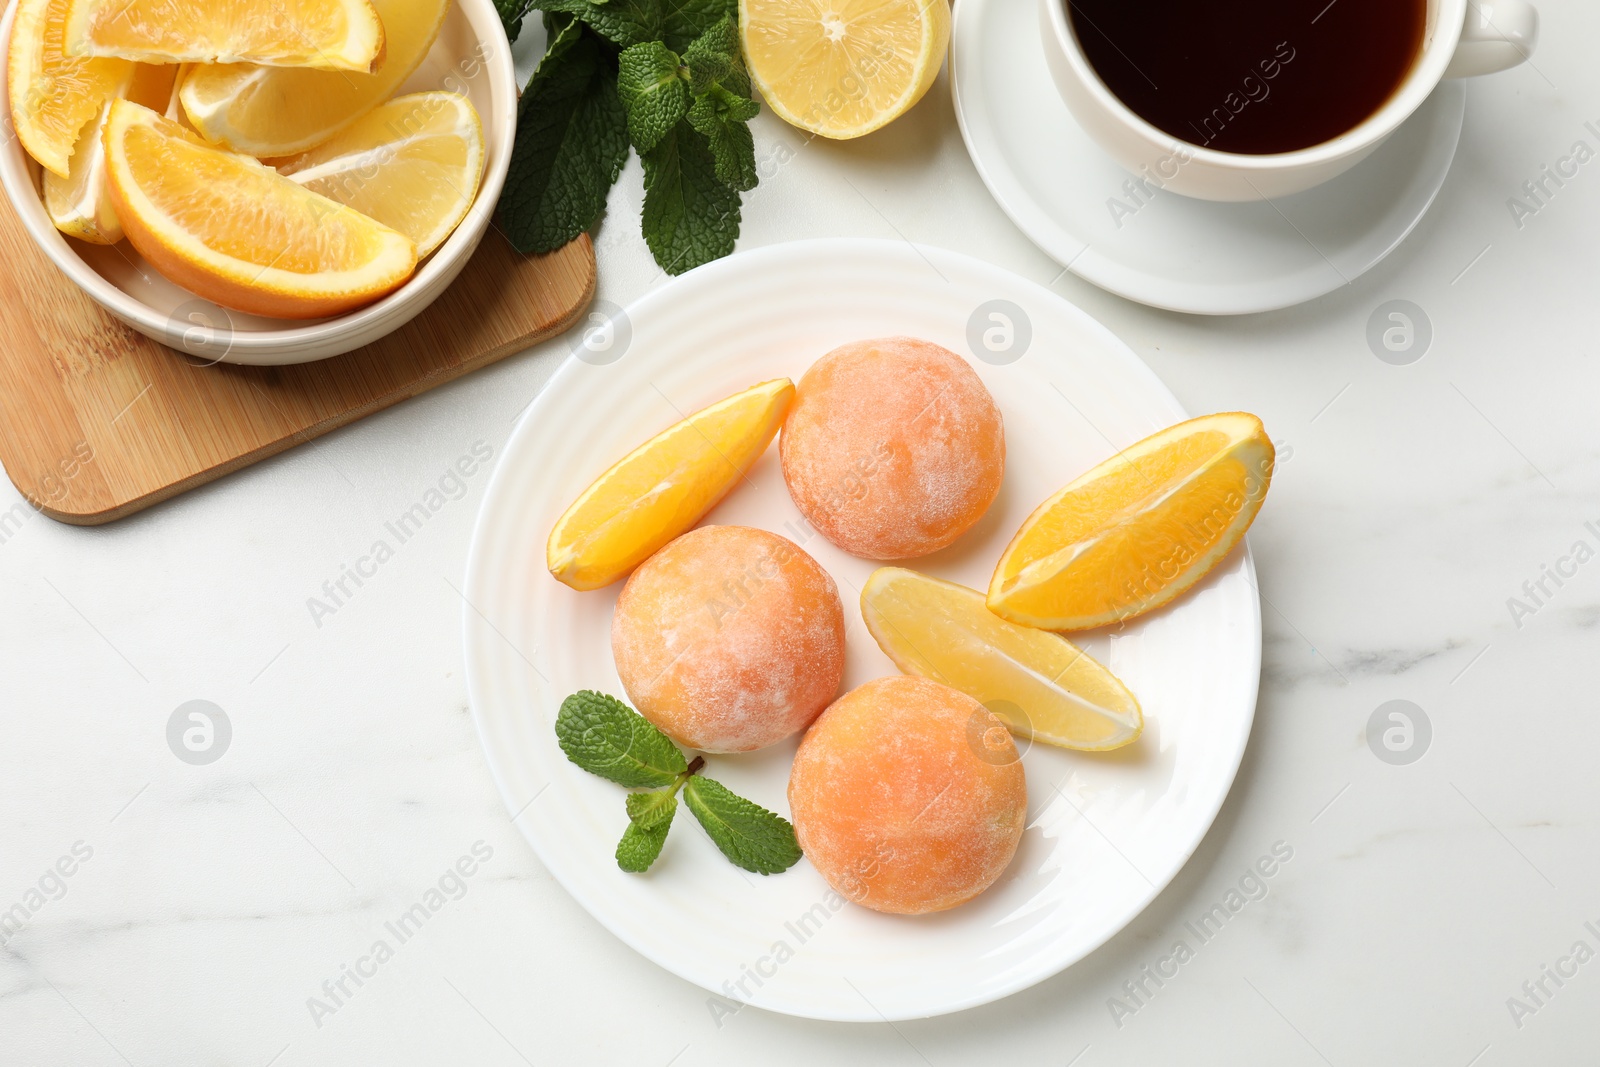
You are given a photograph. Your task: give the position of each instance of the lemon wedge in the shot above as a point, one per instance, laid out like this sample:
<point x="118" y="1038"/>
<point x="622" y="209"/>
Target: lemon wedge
<point x="413" y="164"/>
<point x="279" y="111"/>
<point x="1040" y="684"/>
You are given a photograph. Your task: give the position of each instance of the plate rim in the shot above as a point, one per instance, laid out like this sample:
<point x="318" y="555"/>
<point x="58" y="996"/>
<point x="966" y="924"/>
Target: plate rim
<point x="548" y="396"/>
<point x="1025" y="211"/>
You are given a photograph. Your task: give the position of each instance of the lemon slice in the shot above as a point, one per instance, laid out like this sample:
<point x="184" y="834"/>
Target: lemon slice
<point x="414" y="164"/>
<point x="663" y="487"/>
<point x="55" y="94"/>
<point x="80" y="204"/>
<point x="238" y="233"/>
<point x="278" y="111"/>
<point x="326" y="34"/>
<point x="1039" y="683"/>
<point x="1139" y="529"/>
<point x="843" y="68"/>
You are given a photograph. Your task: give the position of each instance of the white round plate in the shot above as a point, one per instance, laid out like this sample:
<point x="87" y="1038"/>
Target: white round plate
<point x="1166" y="250"/>
<point x="1105" y="833"/>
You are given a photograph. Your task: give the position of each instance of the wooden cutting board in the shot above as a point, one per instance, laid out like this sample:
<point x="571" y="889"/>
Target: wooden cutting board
<point x="97" y="421"/>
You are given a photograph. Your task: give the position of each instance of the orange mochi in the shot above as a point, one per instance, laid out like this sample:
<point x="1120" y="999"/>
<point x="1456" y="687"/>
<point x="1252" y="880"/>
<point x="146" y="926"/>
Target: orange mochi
<point x="729" y="639"/>
<point x="908" y="796"/>
<point x="893" y="448"/>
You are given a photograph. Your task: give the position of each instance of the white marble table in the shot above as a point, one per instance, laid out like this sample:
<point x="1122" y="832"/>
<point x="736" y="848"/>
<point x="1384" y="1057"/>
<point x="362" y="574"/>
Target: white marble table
<point x="207" y="905"/>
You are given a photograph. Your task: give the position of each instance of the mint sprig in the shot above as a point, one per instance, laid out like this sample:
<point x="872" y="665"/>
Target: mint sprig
<point x="671" y="79"/>
<point x="604" y="736"/>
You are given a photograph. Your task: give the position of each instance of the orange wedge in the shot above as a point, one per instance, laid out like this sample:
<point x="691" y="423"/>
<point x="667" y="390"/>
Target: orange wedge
<point x="80" y="203"/>
<point x="1040" y="684"/>
<point x="278" y="111"/>
<point x="1139" y="529"/>
<point x="326" y="34"/>
<point x="55" y="94"/>
<point x="238" y="233"/>
<point x="663" y="487"/>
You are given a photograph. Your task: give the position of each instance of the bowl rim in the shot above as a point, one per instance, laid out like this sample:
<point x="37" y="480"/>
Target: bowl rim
<point x="370" y="321"/>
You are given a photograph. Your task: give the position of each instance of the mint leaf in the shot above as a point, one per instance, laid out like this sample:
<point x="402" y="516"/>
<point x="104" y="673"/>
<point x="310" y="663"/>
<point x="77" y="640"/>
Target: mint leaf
<point x="653" y="92"/>
<point x="604" y="736"/>
<point x="554" y="23"/>
<point x="748" y="834"/>
<point x="571" y="144"/>
<point x="688" y="19"/>
<point x="722" y="103"/>
<point x="649" y="819"/>
<point x="714" y="59"/>
<point x="640" y="846"/>
<point x="721" y="117"/>
<point x="622" y="22"/>
<point x="690" y="215"/>
<point x="653" y="809"/>
<point x="511" y="13"/>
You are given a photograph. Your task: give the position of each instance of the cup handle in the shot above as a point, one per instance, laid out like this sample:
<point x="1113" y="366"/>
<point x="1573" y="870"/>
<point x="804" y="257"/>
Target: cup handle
<point x="1498" y="35"/>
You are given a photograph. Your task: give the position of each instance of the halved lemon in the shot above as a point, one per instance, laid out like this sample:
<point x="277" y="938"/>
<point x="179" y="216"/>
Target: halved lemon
<point x="326" y="34"/>
<point x="80" y="203"/>
<point x="843" y="68"/>
<point x="414" y="164"/>
<point x="1139" y="529"/>
<point x="55" y="94"/>
<point x="278" y="111"/>
<point x="238" y="233"/>
<point x="663" y="487"/>
<point x="1042" y="685"/>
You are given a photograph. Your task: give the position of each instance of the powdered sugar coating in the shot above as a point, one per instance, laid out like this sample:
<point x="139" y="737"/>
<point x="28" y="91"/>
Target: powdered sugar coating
<point x="893" y="448"/>
<point x="729" y="639"/>
<point x="908" y="796"/>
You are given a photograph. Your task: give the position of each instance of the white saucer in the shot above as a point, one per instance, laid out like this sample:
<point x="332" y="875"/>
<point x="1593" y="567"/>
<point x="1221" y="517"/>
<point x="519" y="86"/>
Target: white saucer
<point x="1173" y="252"/>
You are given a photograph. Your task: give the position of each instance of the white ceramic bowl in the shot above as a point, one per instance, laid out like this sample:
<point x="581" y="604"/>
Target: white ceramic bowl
<point x="471" y="56"/>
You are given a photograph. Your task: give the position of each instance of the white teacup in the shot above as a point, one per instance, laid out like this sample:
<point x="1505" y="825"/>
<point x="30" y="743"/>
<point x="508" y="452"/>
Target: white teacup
<point x="1462" y="38"/>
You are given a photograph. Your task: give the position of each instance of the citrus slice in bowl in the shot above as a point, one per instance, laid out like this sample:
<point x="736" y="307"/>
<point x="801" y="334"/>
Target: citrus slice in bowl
<point x="1138" y="530"/>
<point x="843" y="68"/>
<point x="55" y="94"/>
<point x="238" y="233"/>
<point x="278" y="111"/>
<point x="413" y="164"/>
<point x="663" y="487"/>
<point x="80" y="203"/>
<point x="327" y="34"/>
<point x="1040" y="684"/>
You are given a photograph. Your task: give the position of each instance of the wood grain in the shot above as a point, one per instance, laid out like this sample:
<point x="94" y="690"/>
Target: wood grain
<point x="97" y="421"/>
